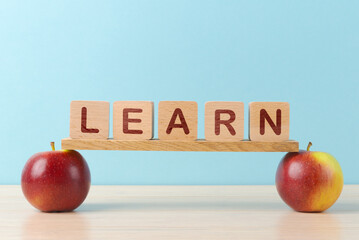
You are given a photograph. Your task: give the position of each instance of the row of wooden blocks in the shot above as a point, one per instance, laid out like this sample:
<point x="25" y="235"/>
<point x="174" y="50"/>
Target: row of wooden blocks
<point x="177" y="120"/>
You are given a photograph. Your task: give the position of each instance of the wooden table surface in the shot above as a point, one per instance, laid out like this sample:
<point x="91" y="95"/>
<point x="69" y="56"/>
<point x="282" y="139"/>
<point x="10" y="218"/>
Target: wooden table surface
<point x="179" y="212"/>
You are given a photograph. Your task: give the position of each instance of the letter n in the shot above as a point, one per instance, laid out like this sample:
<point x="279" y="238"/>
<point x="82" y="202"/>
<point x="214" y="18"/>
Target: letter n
<point x="264" y="116"/>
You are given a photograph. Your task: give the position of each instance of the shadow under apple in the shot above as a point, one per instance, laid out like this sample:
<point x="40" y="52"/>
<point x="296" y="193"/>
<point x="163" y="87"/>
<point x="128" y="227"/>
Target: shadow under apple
<point x="178" y="203"/>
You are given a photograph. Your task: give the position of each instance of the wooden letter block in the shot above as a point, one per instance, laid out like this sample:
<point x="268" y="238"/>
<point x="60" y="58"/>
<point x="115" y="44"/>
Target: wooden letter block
<point x="177" y="120"/>
<point x="224" y="121"/>
<point x="133" y="120"/>
<point x="89" y="119"/>
<point x="269" y="121"/>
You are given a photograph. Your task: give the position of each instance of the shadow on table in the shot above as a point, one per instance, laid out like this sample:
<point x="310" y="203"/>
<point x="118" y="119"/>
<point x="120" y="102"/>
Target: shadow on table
<point x="205" y="204"/>
<point x="344" y="208"/>
<point x="172" y="204"/>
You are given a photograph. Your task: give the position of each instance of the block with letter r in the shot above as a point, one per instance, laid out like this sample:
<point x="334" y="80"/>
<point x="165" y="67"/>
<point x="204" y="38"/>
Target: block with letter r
<point x="224" y="121"/>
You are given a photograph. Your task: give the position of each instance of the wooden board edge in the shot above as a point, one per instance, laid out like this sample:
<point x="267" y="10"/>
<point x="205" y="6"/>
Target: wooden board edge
<point x="199" y="145"/>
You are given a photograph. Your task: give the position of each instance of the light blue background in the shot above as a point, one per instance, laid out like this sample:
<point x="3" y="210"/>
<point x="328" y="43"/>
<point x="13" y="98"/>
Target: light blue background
<point x="303" y="52"/>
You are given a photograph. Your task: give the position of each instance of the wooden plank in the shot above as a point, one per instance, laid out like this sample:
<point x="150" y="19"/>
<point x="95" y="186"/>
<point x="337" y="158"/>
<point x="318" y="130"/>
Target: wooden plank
<point x="166" y="145"/>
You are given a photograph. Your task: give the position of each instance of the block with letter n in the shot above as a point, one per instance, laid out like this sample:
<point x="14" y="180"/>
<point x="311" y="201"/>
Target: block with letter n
<point x="269" y="121"/>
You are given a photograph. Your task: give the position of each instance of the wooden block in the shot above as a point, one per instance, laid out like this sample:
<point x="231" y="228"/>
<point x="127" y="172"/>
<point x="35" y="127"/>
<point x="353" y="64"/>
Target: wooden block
<point x="224" y="121"/>
<point x="177" y="120"/>
<point x="133" y="120"/>
<point x="89" y="119"/>
<point x="193" y="146"/>
<point x="269" y="121"/>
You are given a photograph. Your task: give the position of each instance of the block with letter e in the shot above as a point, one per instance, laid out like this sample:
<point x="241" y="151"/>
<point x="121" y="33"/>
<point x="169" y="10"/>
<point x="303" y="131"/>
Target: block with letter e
<point x="177" y="120"/>
<point x="133" y="120"/>
<point x="224" y="121"/>
<point x="89" y="119"/>
<point x="269" y="121"/>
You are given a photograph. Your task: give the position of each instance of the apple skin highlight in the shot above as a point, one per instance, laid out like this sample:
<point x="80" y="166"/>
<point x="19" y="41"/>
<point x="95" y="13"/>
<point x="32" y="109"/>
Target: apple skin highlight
<point x="309" y="181"/>
<point x="56" y="180"/>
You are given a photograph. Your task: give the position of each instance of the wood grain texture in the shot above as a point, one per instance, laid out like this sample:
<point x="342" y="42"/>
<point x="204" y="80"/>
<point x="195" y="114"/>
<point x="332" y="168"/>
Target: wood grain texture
<point x="271" y="111"/>
<point x="139" y="118"/>
<point x="87" y="116"/>
<point x="224" y="121"/>
<point x="179" y="113"/>
<point x="179" y="212"/>
<point x="165" y="145"/>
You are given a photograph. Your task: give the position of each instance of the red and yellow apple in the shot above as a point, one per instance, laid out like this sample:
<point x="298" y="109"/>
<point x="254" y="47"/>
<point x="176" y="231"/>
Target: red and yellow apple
<point x="309" y="181"/>
<point x="56" y="181"/>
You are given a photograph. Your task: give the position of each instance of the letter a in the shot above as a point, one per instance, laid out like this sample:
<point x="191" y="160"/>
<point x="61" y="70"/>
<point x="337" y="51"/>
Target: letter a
<point x="177" y="112"/>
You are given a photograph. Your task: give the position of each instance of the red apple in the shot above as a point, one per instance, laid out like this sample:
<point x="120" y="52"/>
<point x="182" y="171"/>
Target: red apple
<point x="309" y="181"/>
<point x="56" y="181"/>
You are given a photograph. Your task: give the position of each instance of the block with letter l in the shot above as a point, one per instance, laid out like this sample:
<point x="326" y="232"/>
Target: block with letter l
<point x="89" y="119"/>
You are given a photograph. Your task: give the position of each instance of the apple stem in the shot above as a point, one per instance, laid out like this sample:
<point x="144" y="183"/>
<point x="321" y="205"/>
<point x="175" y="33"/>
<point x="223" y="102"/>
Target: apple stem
<point x="309" y="145"/>
<point x="52" y="145"/>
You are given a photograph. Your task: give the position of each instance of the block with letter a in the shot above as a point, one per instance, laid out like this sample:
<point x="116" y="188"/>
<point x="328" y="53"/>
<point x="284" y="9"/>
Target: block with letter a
<point x="177" y="120"/>
<point x="224" y="121"/>
<point x="269" y="121"/>
<point x="133" y="120"/>
<point x="89" y="119"/>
